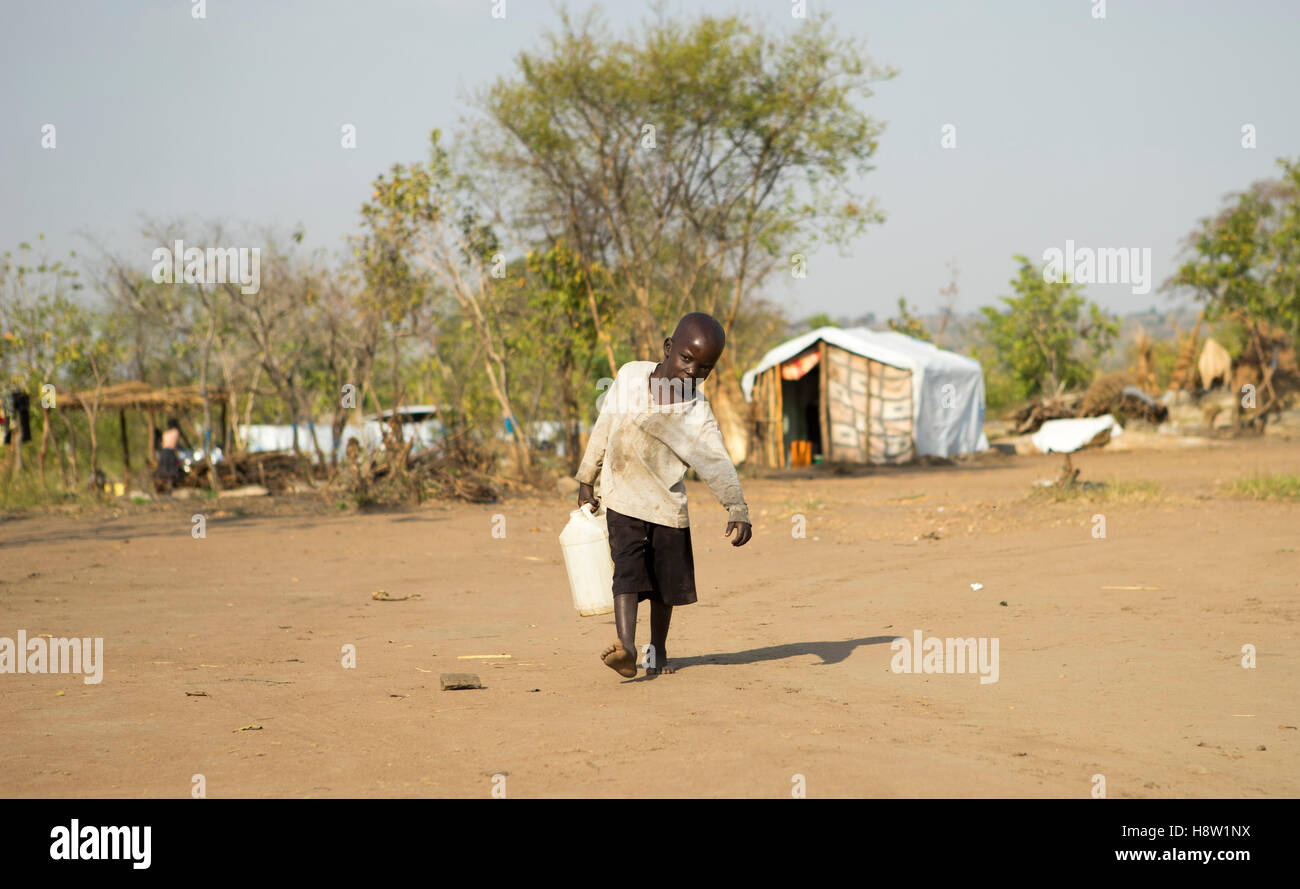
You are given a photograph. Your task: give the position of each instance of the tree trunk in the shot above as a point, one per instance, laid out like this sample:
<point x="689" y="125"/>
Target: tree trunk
<point x="126" y="447"/>
<point x="206" y="441"/>
<point x="311" y="430"/>
<point x="601" y="333"/>
<point x="572" y="432"/>
<point x="72" y="440"/>
<point x="730" y="411"/>
<point x="498" y="380"/>
<point x="94" y="440"/>
<point x="522" y="453"/>
<point x="45" y="441"/>
<point x="248" y="406"/>
<point x="17" y="437"/>
<point x="225" y="429"/>
<point x="227" y="425"/>
<point x="63" y="463"/>
<point x="650" y="341"/>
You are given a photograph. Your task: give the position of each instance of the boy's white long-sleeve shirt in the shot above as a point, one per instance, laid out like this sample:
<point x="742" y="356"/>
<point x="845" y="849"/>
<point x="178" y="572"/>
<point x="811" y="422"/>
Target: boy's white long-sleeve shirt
<point x="640" y="452"/>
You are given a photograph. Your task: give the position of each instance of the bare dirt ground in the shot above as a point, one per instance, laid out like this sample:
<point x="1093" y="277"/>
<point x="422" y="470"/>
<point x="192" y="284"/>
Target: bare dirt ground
<point x="784" y="664"/>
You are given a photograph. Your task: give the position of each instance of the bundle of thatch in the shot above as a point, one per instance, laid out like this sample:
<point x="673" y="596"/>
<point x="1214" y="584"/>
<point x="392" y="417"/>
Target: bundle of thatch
<point x="138" y="395"/>
<point x="1184" y="375"/>
<point x="277" y="471"/>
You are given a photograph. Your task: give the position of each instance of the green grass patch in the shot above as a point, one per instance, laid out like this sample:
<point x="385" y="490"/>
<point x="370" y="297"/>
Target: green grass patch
<point x="1113" y="491"/>
<point x="27" y="492"/>
<point x="1276" y="486"/>
<point x="806" y="505"/>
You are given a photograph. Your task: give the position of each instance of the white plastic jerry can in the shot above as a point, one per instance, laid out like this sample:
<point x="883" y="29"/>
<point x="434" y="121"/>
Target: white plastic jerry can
<point x="585" y="544"/>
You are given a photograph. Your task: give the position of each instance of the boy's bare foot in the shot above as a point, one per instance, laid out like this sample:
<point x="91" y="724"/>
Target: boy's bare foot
<point x="660" y="664"/>
<point x="619" y="659"/>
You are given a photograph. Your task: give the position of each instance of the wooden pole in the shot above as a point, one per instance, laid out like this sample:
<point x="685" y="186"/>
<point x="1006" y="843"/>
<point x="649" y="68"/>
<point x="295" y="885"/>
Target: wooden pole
<point x="153" y="426"/>
<point x="870" y="399"/>
<point x="126" y="447"/>
<point x="766" y="382"/>
<point x="773" y="448"/>
<point x="780" y="415"/>
<point x="768" y="449"/>
<point x="824" y="408"/>
<point x="225" y="432"/>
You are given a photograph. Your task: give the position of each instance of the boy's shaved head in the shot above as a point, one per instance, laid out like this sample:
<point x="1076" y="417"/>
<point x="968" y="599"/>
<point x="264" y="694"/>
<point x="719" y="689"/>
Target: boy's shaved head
<point x="702" y="329"/>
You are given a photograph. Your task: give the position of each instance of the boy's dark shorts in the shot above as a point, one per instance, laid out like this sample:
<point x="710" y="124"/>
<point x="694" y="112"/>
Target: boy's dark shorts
<point x="653" y="561"/>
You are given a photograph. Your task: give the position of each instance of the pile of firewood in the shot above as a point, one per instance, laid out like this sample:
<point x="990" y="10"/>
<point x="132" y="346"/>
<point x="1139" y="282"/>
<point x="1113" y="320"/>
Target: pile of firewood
<point x="459" y="468"/>
<point x="1118" y="394"/>
<point x="1115" y="393"/>
<point x="277" y="471"/>
<point x="1029" y="417"/>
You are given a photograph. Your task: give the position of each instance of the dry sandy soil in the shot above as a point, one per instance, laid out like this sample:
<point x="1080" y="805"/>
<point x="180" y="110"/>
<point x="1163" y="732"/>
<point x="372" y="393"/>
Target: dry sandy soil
<point x="1119" y="656"/>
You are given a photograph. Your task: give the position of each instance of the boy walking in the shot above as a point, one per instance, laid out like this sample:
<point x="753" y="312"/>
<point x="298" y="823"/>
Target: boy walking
<point x="653" y="425"/>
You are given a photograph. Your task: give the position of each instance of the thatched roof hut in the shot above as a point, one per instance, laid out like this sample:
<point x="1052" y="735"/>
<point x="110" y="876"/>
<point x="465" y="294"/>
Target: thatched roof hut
<point x="138" y="395"/>
<point x="141" y="396"/>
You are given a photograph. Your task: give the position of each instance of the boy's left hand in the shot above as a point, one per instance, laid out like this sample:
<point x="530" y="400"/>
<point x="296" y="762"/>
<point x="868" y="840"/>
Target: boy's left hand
<point x="743" y="532"/>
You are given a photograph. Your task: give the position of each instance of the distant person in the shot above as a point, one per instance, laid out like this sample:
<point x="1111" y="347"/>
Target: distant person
<point x="653" y="425"/>
<point x="168" y="472"/>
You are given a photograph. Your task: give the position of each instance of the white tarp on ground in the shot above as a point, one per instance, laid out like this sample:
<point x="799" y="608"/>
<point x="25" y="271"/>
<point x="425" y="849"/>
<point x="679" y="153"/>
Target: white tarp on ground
<point x="947" y="388"/>
<point x="1067" y="436"/>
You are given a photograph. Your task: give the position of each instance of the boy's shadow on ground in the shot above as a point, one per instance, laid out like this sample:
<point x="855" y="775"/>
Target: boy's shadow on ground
<point x="829" y="652"/>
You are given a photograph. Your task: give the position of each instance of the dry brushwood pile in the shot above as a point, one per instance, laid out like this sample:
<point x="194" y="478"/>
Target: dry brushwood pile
<point x="1118" y="394"/>
<point x="1114" y="393"/>
<point x="1033" y="415"/>
<point x="459" y="468"/>
<point x="277" y="471"/>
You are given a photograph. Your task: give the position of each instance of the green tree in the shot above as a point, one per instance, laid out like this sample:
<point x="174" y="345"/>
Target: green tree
<point x="821" y="319"/>
<point x="689" y="159"/>
<point x="93" y="349"/>
<point x="431" y="222"/>
<point x="1049" y="338"/>
<point x="1245" y="261"/>
<point x="37" y="309"/>
<point x="907" y="323"/>
<point x="559" y="324"/>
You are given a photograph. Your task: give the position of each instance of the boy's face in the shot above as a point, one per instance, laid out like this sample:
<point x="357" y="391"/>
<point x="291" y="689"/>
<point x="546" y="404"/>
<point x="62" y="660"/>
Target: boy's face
<point x="690" y="356"/>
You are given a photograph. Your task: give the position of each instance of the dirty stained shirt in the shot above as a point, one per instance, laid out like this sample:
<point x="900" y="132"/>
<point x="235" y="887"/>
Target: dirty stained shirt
<point x="640" y="452"/>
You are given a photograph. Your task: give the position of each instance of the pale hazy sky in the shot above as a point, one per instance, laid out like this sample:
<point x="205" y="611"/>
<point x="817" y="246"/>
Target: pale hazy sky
<point x="1114" y="132"/>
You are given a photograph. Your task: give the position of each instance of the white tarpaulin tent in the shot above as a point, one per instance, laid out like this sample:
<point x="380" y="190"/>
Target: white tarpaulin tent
<point x="944" y="391"/>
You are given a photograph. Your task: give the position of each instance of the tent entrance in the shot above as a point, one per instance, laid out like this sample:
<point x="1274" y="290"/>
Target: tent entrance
<point x="801" y="411"/>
